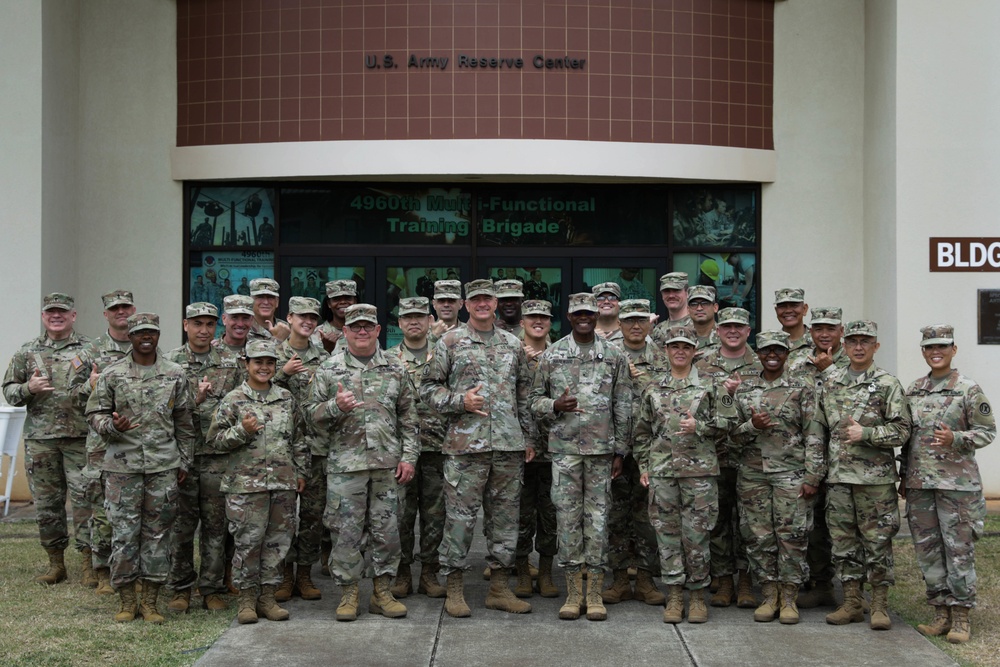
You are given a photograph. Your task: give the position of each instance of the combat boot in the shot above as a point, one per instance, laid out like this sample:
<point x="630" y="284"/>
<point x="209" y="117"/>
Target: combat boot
<point x="284" y="591"/>
<point x="570" y="611"/>
<point x="129" y="605"/>
<point x="674" y="611"/>
<point x="180" y="601"/>
<point x="455" y="603"/>
<point x="941" y="624"/>
<point x="546" y="588"/>
<point x="768" y="608"/>
<point x="486" y="573"/>
<point x="57" y="568"/>
<point x="87" y="576"/>
<point x="724" y="595"/>
<point x="347" y="610"/>
<point x="500" y="596"/>
<point x="213" y="602"/>
<point x="596" y="611"/>
<point x="789" y="611"/>
<point x="104" y="582"/>
<point x="645" y="588"/>
<point x="304" y="586"/>
<point x="744" y="592"/>
<point x="851" y="611"/>
<point x="961" y="628"/>
<point x="247" y="606"/>
<point x="267" y="605"/>
<point x="819" y="595"/>
<point x="523" y="589"/>
<point x="879" y="619"/>
<point x="403" y="585"/>
<point x="382" y="601"/>
<point x="620" y="589"/>
<point x="147" y="602"/>
<point x="697" y="611"/>
<point x="428" y="584"/>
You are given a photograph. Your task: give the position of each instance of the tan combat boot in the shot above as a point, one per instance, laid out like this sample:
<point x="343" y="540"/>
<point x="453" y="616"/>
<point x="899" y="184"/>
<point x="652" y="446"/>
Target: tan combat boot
<point x="646" y="590"/>
<point x="104" y="582"/>
<point x="596" y="611"/>
<point x="851" y="611"/>
<point x="403" y="585"/>
<point x="129" y="605"/>
<point x="382" y="601"/>
<point x="57" y="568"/>
<point x="697" y="611"/>
<point x="247" y="606"/>
<point x="180" y="601"/>
<point x="347" y="610"/>
<point x="620" y="589"/>
<point x="213" y="602"/>
<point x="570" y="611"/>
<point x="304" y="586"/>
<point x="428" y="584"/>
<point x="87" y="576"/>
<point x="789" y="611"/>
<point x="941" y="624"/>
<point x="961" y="628"/>
<point x="819" y="594"/>
<point x="267" y="605"/>
<point x="524" y="588"/>
<point x="500" y="597"/>
<point x="726" y="592"/>
<point x="674" y="611"/>
<point x="147" y="602"/>
<point x="546" y="588"/>
<point x="713" y="587"/>
<point x="768" y="608"/>
<point x="455" y="603"/>
<point x="744" y="592"/>
<point x="879" y="619"/>
<point x="284" y="591"/>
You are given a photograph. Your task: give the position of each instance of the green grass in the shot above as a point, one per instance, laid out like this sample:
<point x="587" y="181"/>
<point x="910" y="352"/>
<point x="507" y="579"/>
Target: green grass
<point x="68" y="624"/>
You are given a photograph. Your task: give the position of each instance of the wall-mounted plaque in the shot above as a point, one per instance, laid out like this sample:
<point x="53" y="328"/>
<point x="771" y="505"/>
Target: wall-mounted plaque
<point x="989" y="317"/>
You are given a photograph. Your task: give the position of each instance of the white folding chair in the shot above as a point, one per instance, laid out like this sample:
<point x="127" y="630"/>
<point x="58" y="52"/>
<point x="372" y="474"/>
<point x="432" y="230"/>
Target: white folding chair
<point x="11" y="425"/>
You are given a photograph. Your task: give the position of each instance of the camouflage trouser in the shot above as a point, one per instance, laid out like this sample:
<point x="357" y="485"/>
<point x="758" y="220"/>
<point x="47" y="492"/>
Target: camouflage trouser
<point x="54" y="467"/>
<point x="775" y="523"/>
<point x="262" y="525"/>
<point x="182" y="573"/>
<point x="818" y="555"/>
<point x="468" y="479"/>
<point x="142" y="508"/>
<point x="682" y="511"/>
<point x="214" y="541"/>
<point x="581" y="492"/>
<point x="425" y="493"/>
<point x="537" y="520"/>
<point x="863" y="519"/>
<point x="631" y="539"/>
<point x="100" y="527"/>
<point x="945" y="526"/>
<point x="361" y="510"/>
<point x="312" y="502"/>
<point x="728" y="552"/>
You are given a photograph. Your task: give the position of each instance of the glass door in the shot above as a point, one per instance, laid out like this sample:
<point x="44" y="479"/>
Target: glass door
<point x="401" y="277"/>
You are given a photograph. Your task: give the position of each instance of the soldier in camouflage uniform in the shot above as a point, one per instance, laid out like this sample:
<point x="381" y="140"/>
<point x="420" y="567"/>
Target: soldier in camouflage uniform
<point x="479" y="379"/>
<point x="363" y="404"/>
<point x="781" y="451"/>
<point x="447" y="304"/>
<point x="608" y="327"/>
<point x="265" y="324"/>
<point x="790" y="308"/>
<point x="212" y="373"/>
<point x="702" y="307"/>
<point x="674" y="292"/>
<point x="727" y="366"/>
<point x="144" y="408"/>
<point x="866" y="416"/>
<point x="510" y="296"/>
<point x="631" y="538"/>
<point x="952" y="418"/>
<point x="237" y="317"/>
<point x="426" y="493"/>
<point x="340" y="295"/>
<point x="679" y="418"/>
<point x="50" y="377"/>
<point x="259" y="428"/>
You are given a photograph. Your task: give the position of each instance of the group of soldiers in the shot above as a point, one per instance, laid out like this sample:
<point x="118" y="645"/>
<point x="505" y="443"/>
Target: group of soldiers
<point x="643" y="449"/>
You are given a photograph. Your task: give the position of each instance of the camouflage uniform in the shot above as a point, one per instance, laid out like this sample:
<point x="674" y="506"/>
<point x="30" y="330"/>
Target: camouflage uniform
<point x="799" y="350"/>
<point x="325" y="329"/>
<point x="537" y="520"/>
<point x="257" y="331"/>
<point x="334" y="288"/>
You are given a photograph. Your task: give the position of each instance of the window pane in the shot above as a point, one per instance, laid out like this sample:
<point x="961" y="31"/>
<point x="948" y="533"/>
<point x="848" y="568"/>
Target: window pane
<point x="734" y="276"/>
<point x="311" y="281"/>
<point x="635" y="282"/>
<point x="715" y="217"/>
<point x="406" y="281"/>
<point x="544" y="283"/>
<point x="216" y="275"/>
<point x="231" y="216"/>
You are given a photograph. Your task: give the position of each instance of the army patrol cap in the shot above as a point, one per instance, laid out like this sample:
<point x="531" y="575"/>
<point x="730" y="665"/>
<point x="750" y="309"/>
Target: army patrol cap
<point x="507" y="289"/>
<point x="200" y="309"/>
<point x="582" y="301"/>
<point x="675" y="280"/>
<point x="682" y="334"/>
<point x="827" y="315"/>
<point x="260" y="286"/>
<point x="633" y="308"/>
<point x="480" y="286"/>
<point x="141" y="321"/>
<point x="301" y="305"/>
<point x="789" y="295"/>
<point x="414" y="305"/>
<point x="237" y="304"/>
<point x="261" y="348"/>
<point x="58" y="301"/>
<point x="341" y="288"/>
<point x="772" y="338"/>
<point x="447" y="289"/>
<point x="703" y="292"/>
<point x="861" y="328"/>
<point x="607" y="288"/>
<point x="117" y="298"/>
<point x="734" y="315"/>
<point x="536" y="307"/>
<point x="361" y="312"/>
<point x="937" y="334"/>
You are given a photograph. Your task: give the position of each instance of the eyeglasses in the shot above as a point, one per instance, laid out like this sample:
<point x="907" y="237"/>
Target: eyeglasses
<point x="699" y="305"/>
<point x="859" y="342"/>
<point x="357" y="328"/>
<point x="607" y="297"/>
